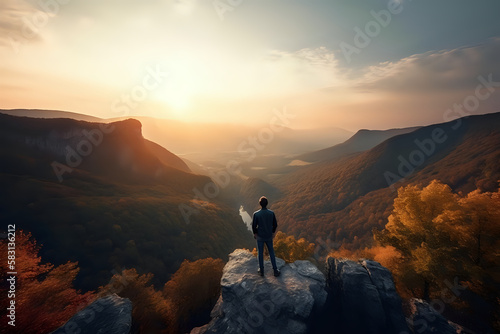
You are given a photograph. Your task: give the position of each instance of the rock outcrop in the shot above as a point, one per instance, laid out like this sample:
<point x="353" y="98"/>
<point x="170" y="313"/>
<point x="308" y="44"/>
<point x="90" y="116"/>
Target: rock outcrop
<point x="363" y="298"/>
<point x="355" y="298"/>
<point x="250" y="303"/>
<point x="110" y="315"/>
<point x="426" y="320"/>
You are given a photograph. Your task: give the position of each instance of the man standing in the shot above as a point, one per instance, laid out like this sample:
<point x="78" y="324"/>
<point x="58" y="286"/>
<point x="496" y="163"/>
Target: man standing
<point x="264" y="229"/>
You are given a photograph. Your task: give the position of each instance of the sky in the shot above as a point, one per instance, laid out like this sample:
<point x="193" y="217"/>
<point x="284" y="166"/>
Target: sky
<point x="340" y="63"/>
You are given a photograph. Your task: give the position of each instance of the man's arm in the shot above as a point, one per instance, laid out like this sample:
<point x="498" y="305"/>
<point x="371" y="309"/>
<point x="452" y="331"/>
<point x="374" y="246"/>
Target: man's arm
<point x="275" y="224"/>
<point x="254" y="226"/>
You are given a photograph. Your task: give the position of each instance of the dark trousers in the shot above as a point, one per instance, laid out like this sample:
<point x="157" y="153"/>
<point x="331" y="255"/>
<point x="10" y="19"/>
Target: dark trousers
<point x="270" y="248"/>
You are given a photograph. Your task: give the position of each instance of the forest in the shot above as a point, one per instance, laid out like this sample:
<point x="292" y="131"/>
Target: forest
<point x="442" y="247"/>
<point x="439" y="245"/>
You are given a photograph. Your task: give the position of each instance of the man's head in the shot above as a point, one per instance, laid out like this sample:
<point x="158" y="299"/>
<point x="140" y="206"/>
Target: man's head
<point x="263" y="202"/>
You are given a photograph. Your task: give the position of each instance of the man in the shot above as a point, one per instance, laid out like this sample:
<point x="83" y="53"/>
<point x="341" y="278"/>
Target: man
<point x="264" y="229"/>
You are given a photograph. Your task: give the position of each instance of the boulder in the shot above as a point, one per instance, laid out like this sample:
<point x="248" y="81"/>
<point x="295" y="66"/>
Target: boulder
<point x="426" y="320"/>
<point x="108" y="315"/>
<point x="250" y="303"/>
<point x="363" y="299"/>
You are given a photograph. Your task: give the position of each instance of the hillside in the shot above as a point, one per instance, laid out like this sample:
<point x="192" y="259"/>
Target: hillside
<point x="252" y="189"/>
<point x="361" y="141"/>
<point x="346" y="199"/>
<point x="41" y="113"/>
<point x="166" y="157"/>
<point x="119" y="207"/>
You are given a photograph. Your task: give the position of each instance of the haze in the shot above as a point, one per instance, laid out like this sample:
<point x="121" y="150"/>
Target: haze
<point x="236" y="63"/>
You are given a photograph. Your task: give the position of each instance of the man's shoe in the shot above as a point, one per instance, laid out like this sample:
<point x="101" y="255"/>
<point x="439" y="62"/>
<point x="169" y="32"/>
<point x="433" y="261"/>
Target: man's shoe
<point x="277" y="273"/>
<point x="261" y="272"/>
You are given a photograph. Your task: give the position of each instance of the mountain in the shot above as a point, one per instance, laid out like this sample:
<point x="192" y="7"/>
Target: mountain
<point x="363" y="140"/>
<point x="102" y="195"/>
<point x="41" y="113"/>
<point x="346" y="199"/>
<point x="216" y="142"/>
<point x="114" y="151"/>
<point x="209" y="147"/>
<point x="252" y="189"/>
<point x="166" y="157"/>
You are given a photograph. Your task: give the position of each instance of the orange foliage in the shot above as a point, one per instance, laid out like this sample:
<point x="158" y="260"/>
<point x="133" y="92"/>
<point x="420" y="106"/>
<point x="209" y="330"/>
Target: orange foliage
<point x="440" y="234"/>
<point x="286" y="247"/>
<point x="387" y="256"/>
<point x="151" y="312"/>
<point x="45" y="298"/>
<point x="193" y="290"/>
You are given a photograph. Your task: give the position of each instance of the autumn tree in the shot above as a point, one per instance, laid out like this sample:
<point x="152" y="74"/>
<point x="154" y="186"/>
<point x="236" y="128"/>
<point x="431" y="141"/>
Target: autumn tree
<point x="475" y="228"/>
<point x="428" y="254"/>
<point x="193" y="291"/>
<point x="441" y="235"/>
<point x="151" y="312"/>
<point x="288" y="248"/>
<point x="45" y="298"/>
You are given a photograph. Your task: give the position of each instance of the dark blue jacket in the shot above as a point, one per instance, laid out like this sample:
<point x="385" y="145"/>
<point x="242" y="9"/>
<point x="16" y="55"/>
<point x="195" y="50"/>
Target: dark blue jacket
<point x="264" y="224"/>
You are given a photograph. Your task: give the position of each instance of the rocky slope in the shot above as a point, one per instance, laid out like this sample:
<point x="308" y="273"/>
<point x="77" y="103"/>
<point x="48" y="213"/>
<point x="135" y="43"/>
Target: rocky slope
<point x="356" y="297"/>
<point x="363" y="298"/>
<point x="426" y="320"/>
<point x="253" y="304"/>
<point x="110" y="315"/>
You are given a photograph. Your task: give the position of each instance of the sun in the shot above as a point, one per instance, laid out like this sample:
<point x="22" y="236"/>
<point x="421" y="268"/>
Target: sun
<point x="183" y="84"/>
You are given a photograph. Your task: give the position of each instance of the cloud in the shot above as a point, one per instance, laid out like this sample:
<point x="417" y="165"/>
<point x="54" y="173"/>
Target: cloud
<point x="20" y="22"/>
<point x="435" y="71"/>
<point x="305" y="69"/>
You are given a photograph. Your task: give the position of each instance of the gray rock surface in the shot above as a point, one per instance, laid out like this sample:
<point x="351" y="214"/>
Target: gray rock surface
<point x="107" y="315"/>
<point x="363" y="298"/>
<point x="250" y="303"/>
<point x="426" y="320"/>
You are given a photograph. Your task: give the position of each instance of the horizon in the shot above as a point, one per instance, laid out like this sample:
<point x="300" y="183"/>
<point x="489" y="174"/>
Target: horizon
<point x="200" y="123"/>
<point x="349" y="66"/>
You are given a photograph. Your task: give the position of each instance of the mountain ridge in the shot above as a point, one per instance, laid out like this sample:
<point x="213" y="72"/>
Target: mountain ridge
<point x="119" y="207"/>
<point x="351" y="196"/>
<point x="115" y="150"/>
<point x="362" y="140"/>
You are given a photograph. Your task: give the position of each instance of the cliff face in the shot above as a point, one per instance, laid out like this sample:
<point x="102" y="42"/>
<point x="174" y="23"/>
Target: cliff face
<point x="356" y="297"/>
<point x="363" y="299"/>
<point x="65" y="148"/>
<point x="250" y="303"/>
